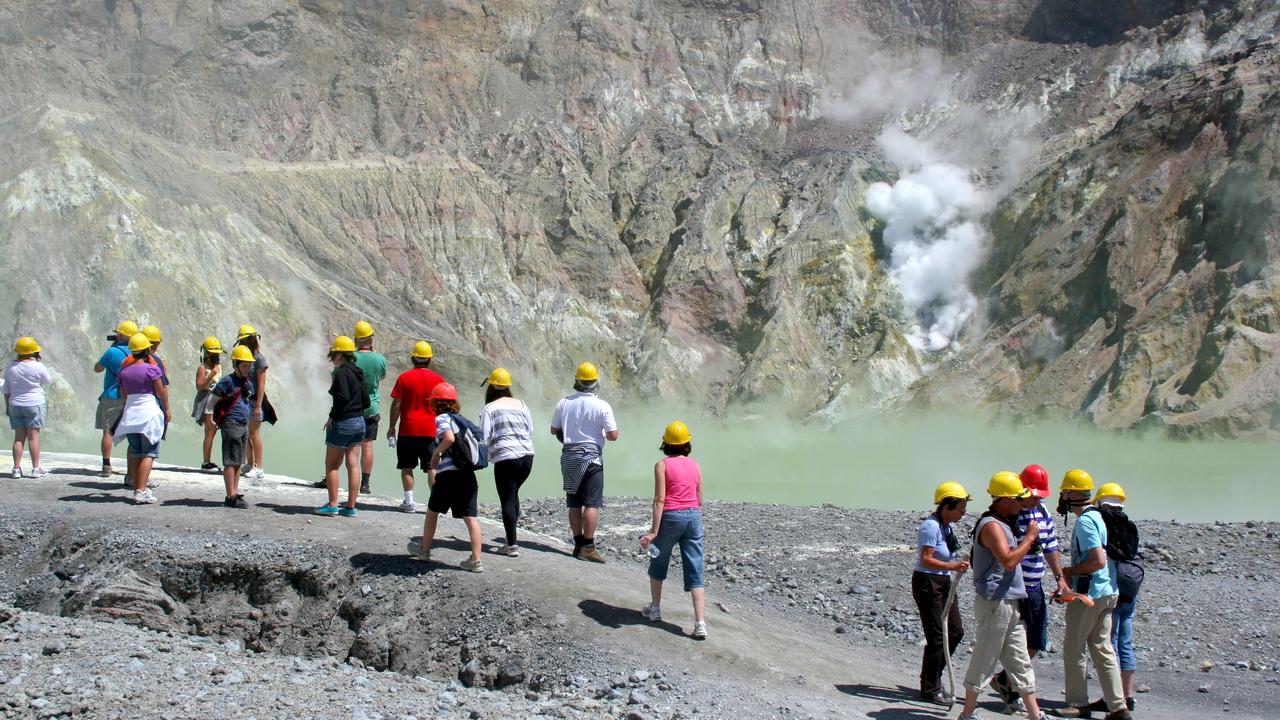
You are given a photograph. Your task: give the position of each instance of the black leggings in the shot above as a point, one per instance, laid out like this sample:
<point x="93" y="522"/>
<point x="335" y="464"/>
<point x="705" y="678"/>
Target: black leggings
<point x="510" y="475"/>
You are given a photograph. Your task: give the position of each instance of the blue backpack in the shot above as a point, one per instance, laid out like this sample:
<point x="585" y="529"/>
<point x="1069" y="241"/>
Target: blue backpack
<point x="468" y="451"/>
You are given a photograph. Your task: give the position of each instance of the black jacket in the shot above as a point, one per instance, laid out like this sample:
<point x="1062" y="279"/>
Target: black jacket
<point x="349" y="396"/>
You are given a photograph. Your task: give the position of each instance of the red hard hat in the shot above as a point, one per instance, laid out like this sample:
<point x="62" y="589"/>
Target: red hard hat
<point x="1036" y="479"/>
<point x="444" y="391"/>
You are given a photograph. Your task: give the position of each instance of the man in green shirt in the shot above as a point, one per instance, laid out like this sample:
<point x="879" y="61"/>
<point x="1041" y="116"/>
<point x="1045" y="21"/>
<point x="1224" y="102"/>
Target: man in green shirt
<point x="374" y="367"/>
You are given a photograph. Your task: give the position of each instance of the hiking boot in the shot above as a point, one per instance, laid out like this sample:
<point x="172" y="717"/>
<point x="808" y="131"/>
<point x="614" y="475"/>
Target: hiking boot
<point x="38" y="472"/>
<point x="509" y="551"/>
<point x="590" y="554"/>
<point x="415" y="550"/>
<point x="348" y="512"/>
<point x="937" y="697"/>
<point x="210" y="467"/>
<point x="245" y="469"/>
<point x="408" y="506"/>
<point x="319" y="484"/>
<point x="364" y="488"/>
<point x="144" y="497"/>
<point x="651" y="612"/>
<point x="1130" y="703"/>
<point x="700" y="630"/>
<point x="471" y="565"/>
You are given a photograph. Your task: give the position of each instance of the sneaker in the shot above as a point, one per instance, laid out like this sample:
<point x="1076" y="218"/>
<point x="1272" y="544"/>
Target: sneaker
<point x="257" y="473"/>
<point x="1131" y="704"/>
<point x="936" y="697"/>
<point x="128" y="481"/>
<point x="974" y="716"/>
<point x="1000" y="683"/>
<point x="348" y="512"/>
<point x="1015" y="707"/>
<point x="106" y="470"/>
<point x="1073" y="711"/>
<point x="652" y="613"/>
<point x="152" y="484"/>
<point x="415" y="550"/>
<point x="144" y="497"/>
<point x="472" y="565"/>
<point x="364" y="488"/>
<point x="245" y="469"/>
<point x="210" y="467"/>
<point x="17" y="473"/>
<point x="319" y="484"/>
<point x="408" y="506"/>
<point x="38" y="472"/>
<point x="590" y="554"/>
<point x="700" y="630"/>
<point x="509" y="551"/>
<point x="1122" y="714"/>
<point x="235" y="501"/>
<point x="327" y="510"/>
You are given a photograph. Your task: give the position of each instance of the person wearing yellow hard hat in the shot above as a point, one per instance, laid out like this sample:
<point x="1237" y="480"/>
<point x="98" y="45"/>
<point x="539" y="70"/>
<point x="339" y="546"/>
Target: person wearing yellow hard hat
<point x="145" y="417"/>
<point x="208" y="372"/>
<point x="229" y="409"/>
<point x="996" y="561"/>
<point x="374" y="367"/>
<point x="24" y="403"/>
<point x="153" y="358"/>
<point x="411" y="423"/>
<point x="583" y="422"/>
<point x="677" y="520"/>
<point x="344" y="430"/>
<point x="109" y="403"/>
<point x="1123" y="551"/>
<point x="1088" y="632"/>
<point x="507" y="425"/>
<point x="263" y="410"/>
<point x="937" y="556"/>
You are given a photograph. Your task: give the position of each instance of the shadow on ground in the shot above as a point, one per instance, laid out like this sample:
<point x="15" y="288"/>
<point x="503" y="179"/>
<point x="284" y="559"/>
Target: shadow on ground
<point x="917" y="710"/>
<point x="615" y="617"/>
<point x="403" y="565"/>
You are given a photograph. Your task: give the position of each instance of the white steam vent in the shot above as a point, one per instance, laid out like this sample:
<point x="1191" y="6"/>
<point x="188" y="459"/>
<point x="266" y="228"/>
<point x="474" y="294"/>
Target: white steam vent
<point x="935" y="238"/>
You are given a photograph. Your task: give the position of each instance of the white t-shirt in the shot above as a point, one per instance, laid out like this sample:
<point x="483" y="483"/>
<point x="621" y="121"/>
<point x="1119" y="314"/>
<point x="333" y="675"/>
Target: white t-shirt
<point x="24" y="382"/>
<point x="583" y="417"/>
<point x="444" y="424"/>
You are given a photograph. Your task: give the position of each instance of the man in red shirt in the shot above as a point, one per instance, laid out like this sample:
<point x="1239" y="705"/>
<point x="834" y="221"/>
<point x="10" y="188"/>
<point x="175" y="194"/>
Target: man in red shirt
<point x="411" y="412"/>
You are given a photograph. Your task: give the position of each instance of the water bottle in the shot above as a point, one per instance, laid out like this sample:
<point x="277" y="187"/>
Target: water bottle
<point x="391" y="441"/>
<point x="653" y="550"/>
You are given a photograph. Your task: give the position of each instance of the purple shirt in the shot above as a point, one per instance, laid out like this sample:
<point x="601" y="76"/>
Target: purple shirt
<point x="140" y="379"/>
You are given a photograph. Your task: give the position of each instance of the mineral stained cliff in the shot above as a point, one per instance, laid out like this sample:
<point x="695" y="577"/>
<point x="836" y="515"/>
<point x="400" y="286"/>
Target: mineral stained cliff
<point x="675" y="189"/>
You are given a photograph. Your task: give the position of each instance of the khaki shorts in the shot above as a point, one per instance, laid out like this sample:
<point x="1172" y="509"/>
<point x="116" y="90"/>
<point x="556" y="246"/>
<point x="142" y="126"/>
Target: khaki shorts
<point x="108" y="414"/>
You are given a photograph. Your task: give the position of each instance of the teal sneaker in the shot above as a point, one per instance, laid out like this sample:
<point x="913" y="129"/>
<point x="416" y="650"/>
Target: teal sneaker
<point x="348" y="512"/>
<point x="328" y="510"/>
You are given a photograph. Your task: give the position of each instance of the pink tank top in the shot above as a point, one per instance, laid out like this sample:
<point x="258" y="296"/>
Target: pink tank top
<point x="683" y="480"/>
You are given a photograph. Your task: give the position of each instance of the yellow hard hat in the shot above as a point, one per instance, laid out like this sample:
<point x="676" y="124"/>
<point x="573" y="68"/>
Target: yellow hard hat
<point x="153" y="334"/>
<point x="499" y="378"/>
<point x="421" y="350"/>
<point x="139" y="341"/>
<point x="212" y="345"/>
<point x="1110" y="490"/>
<point x="363" y="330"/>
<point x="241" y="354"/>
<point x="26" y="346"/>
<point x="342" y="343"/>
<point x="1077" y="481"/>
<point x="246" y="331"/>
<point x="587" y="373"/>
<point x="677" y="433"/>
<point x="950" y="489"/>
<point x="1007" y="484"/>
<point x="127" y="328"/>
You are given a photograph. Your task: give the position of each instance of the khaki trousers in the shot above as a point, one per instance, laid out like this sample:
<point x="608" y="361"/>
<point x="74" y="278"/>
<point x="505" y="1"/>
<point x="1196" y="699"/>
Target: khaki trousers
<point x="1001" y="637"/>
<point x="1090" y="627"/>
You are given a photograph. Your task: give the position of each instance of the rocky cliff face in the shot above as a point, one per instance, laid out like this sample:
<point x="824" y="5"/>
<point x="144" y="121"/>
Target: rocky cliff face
<point x="676" y="190"/>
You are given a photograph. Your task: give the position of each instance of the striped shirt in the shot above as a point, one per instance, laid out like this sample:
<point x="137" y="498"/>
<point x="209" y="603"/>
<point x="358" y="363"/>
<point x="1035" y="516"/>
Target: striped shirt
<point x="1033" y="563"/>
<point x="508" y="431"/>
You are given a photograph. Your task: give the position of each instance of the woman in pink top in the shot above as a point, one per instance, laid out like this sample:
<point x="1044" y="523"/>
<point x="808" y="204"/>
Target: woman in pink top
<point x="677" y="519"/>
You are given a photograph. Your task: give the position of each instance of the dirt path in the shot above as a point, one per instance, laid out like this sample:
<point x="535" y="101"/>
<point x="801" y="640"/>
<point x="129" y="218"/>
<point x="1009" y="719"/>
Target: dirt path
<point x="755" y="662"/>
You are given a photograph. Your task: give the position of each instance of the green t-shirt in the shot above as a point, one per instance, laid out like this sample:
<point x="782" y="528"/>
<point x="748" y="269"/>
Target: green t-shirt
<point x="374" y="367"/>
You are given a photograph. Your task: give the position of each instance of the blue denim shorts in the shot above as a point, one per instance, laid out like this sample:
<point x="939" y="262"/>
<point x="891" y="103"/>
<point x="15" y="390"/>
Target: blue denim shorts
<point x="683" y="528"/>
<point x="345" y="434"/>
<point x="140" y="446"/>
<point x="26" y="418"/>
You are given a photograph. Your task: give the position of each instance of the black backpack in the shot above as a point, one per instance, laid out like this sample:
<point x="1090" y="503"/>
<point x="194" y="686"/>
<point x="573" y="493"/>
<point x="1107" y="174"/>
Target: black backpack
<point x="469" y="451"/>
<point x="1123" y="549"/>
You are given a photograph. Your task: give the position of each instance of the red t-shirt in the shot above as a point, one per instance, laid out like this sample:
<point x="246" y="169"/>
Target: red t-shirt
<point x="413" y="390"/>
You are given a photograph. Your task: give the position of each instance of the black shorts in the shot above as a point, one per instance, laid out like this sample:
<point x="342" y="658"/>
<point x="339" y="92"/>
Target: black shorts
<point x="234" y="439"/>
<point x="371" y="427"/>
<point x="414" y="451"/>
<point x="455" y="491"/>
<point x="590" y="491"/>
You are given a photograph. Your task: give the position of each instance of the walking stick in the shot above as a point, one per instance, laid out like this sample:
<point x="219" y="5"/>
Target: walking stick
<point x="946" y="637"/>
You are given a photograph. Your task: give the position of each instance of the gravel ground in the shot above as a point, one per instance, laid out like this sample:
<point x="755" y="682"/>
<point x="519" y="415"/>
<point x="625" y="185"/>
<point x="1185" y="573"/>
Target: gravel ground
<point x="1205" y="623"/>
